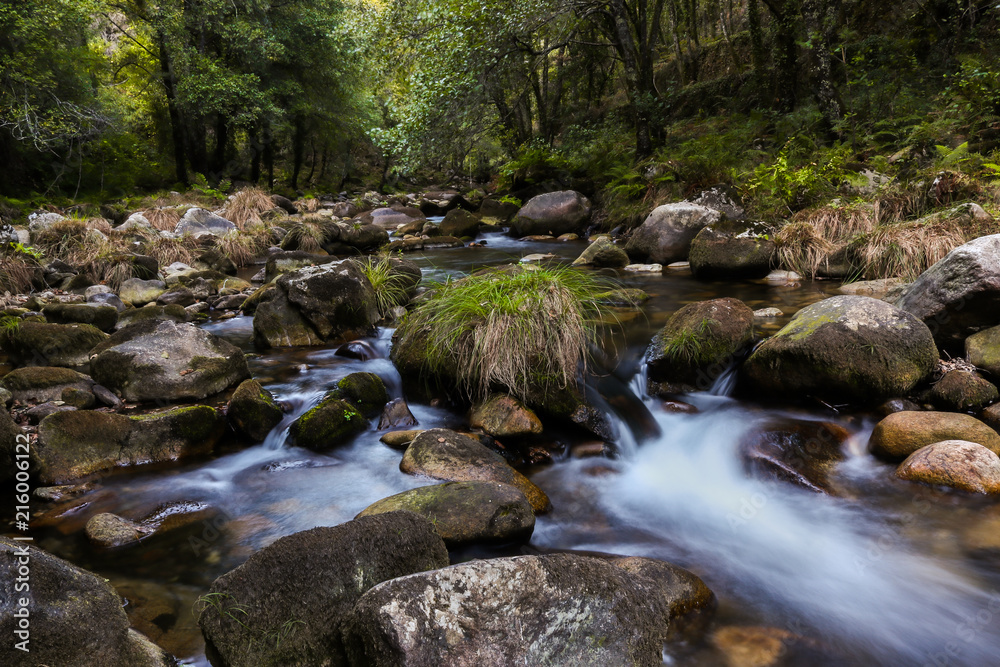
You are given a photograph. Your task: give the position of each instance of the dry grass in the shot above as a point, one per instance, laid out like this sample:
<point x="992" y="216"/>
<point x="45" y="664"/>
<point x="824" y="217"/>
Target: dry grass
<point x="802" y="248"/>
<point x="17" y="274"/>
<point x="246" y="246"/>
<point x="309" y="234"/>
<point x="307" y="205"/>
<point x="164" y="219"/>
<point x="246" y="206"/>
<point x="166" y="251"/>
<point x="99" y="224"/>
<point x="906" y="250"/>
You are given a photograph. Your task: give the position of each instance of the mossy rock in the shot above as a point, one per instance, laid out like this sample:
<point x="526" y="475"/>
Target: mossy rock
<point x="852" y="349"/>
<point x="291" y="260"/>
<point x="902" y="433"/>
<point x="961" y="390"/>
<point x="459" y="222"/>
<point x="623" y="298"/>
<point x="732" y="251"/>
<point x="292" y="596"/>
<point x="10" y="433"/>
<point x="38" y="384"/>
<point x="603" y="253"/>
<point x="446" y="455"/>
<point x="983" y="350"/>
<point x="102" y="316"/>
<point x="72" y="445"/>
<point x="44" y="344"/>
<point x="253" y="410"/>
<point x="700" y="342"/>
<point x="332" y="422"/>
<point x="366" y="391"/>
<point x="466" y="512"/>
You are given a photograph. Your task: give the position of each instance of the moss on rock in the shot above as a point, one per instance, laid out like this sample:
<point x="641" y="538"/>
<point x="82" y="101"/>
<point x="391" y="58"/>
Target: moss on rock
<point x="253" y="410"/>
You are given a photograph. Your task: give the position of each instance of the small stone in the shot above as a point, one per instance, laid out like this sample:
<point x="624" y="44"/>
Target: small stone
<point x="110" y="530"/>
<point x="400" y="439"/>
<point x="644" y="268"/>
<point x="768" y="312"/>
<point x="679" y="266"/>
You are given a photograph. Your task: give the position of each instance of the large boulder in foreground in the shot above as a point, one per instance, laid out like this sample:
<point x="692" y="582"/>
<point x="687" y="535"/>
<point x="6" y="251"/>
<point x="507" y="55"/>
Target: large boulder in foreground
<point x="555" y="213"/>
<point x="76" y="618"/>
<point x="442" y="454"/>
<point x="959" y="295"/>
<point x="700" y="342"/>
<point x="165" y="360"/>
<point x="666" y="234"/>
<point x="962" y="465"/>
<point x="902" y="433"/>
<point x="560" y="609"/>
<point x="466" y="512"/>
<point x="852" y="349"/>
<point x="297" y="591"/>
<point x="316" y="305"/>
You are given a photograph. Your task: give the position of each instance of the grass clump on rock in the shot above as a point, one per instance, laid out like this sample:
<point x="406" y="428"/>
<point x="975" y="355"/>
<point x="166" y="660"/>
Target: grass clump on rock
<point x="526" y="330"/>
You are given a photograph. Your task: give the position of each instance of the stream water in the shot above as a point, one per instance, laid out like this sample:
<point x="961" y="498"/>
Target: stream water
<point x="881" y="573"/>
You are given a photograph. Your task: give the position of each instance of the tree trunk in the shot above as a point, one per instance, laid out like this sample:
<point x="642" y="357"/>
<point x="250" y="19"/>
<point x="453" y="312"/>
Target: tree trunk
<point x="820" y="17"/>
<point x="176" y="124"/>
<point x="298" y="149"/>
<point x="221" y="141"/>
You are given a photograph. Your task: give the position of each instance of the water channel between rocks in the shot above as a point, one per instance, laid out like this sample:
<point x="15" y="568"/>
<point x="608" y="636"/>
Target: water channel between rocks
<point x="877" y="574"/>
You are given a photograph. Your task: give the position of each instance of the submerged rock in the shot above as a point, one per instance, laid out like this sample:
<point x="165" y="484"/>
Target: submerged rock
<point x="902" y="433"/>
<point x="296" y="593"/>
<point x="165" y="360"/>
<point x="466" y="512"/>
<point x="446" y="455"/>
<point x="77" y="618"/>
<point x="845" y="348"/>
<point x="665" y="236"/>
<point x="803" y="453"/>
<point x="553" y="213"/>
<point x="962" y="465"/>
<point x="569" y="610"/>
<point x="700" y="342"/>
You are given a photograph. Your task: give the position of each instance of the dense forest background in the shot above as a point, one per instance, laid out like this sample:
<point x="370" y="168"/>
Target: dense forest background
<point x="630" y="101"/>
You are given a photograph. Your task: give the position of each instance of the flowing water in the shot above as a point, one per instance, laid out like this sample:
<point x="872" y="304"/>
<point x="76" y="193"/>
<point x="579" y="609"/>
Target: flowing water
<point x="878" y="573"/>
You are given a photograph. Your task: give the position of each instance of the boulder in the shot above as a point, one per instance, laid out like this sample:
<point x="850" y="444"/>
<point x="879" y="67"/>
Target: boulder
<point x="902" y="433"/>
<point x="180" y="296"/>
<point x="151" y="313"/>
<point x="962" y="465"/>
<point x="253" y="410"/>
<point x="285" y="204"/>
<point x="983" y="350"/>
<point x="153" y="361"/>
<point x="666" y="234"/>
<point x="732" y="251"/>
<point x="846" y="348"/>
<point x="38" y="384"/>
<point x="565" y="609"/>
<point x="332" y="422"/>
<point x="466" y="512"/>
<point x="287" y="604"/>
<point x="553" y="213"/>
<point x="389" y="218"/>
<point x="459" y="222"/>
<point x="43" y="344"/>
<point x="504" y="416"/>
<point x="800" y="452"/>
<point x="198" y="222"/>
<point x="104" y="316"/>
<point x="396" y="413"/>
<point x="10" y="436"/>
<point x="140" y="292"/>
<point x="960" y="391"/>
<point x="722" y="198"/>
<point x="72" y="445"/>
<point x="960" y="295"/>
<point x="603" y="253"/>
<point x="316" y="305"/>
<point x="344" y="238"/>
<point x="442" y="454"/>
<point x="343" y="209"/>
<point x="500" y="211"/>
<point x="40" y="221"/>
<point x="285" y="261"/>
<point x="76" y="617"/>
<point x="365" y="391"/>
<point x="700" y="342"/>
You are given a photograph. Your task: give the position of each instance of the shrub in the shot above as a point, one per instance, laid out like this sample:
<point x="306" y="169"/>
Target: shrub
<point x="524" y="329"/>
<point x="245" y="207"/>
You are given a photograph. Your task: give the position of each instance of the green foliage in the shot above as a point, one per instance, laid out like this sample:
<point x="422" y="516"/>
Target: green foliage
<point x="391" y="287"/>
<point x="783" y="186"/>
<point x="524" y="329"/>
